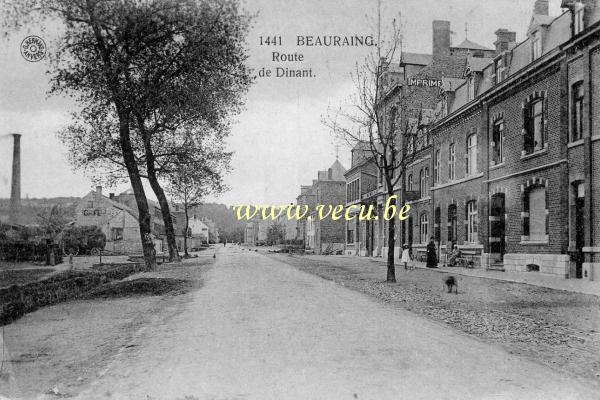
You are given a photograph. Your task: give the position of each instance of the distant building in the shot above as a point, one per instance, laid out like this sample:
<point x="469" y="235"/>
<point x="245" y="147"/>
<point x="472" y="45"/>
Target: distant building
<point x="251" y="234"/>
<point x="329" y="189"/>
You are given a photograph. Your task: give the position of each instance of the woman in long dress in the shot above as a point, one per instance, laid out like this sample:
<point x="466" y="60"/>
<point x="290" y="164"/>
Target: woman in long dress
<point x="431" y="254"/>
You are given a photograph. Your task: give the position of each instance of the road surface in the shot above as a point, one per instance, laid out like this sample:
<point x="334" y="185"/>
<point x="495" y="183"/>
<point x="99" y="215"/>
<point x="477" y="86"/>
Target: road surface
<point x="260" y="329"/>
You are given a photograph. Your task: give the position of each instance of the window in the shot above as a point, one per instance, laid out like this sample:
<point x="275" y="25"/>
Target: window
<point x="499" y="67"/>
<point x="578" y="11"/>
<point x="536" y="45"/>
<point x="471" y="88"/>
<point x="90" y="204"/>
<point x="393" y="116"/>
<point x="471" y="155"/>
<point x="116" y="233"/>
<point x="577" y="111"/>
<point x="423" y="181"/>
<point x="424" y="228"/>
<point x="534" y="126"/>
<point x="451" y="162"/>
<point x="535" y="216"/>
<point x="436" y="168"/>
<point x="409" y="185"/>
<point x="352" y="191"/>
<point x="498" y="142"/>
<point x="472" y="222"/>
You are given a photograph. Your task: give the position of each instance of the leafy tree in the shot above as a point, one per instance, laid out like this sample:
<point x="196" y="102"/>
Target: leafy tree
<point x="189" y="182"/>
<point x="52" y="221"/>
<point x="136" y="62"/>
<point x="275" y="234"/>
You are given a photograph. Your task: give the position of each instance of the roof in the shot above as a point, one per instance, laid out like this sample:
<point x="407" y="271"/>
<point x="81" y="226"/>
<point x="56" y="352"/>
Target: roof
<point x="450" y="84"/>
<point x="539" y="20"/>
<point x="338" y="170"/>
<point x="113" y="203"/>
<point x="444" y="66"/>
<point x="467" y="44"/>
<point x="415" y="58"/>
<point x="478" y="64"/>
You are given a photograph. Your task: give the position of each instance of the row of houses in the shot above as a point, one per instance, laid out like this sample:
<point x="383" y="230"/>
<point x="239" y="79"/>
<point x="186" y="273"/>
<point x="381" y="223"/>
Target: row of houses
<point x="506" y="165"/>
<point x="117" y="217"/>
<point x="505" y="159"/>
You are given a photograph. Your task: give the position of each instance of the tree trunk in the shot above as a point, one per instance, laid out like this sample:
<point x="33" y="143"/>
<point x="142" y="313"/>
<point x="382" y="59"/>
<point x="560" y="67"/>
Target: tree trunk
<point x="391" y="268"/>
<point x="187" y="226"/>
<point x="166" y="214"/>
<point x="138" y="191"/>
<point x="160" y="194"/>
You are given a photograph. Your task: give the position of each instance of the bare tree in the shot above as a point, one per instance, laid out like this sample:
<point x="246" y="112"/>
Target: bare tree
<point x="383" y="115"/>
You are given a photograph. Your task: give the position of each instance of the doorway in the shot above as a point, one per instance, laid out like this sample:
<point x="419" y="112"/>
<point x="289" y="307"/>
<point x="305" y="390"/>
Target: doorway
<point x="498" y="226"/>
<point x="579" y="229"/>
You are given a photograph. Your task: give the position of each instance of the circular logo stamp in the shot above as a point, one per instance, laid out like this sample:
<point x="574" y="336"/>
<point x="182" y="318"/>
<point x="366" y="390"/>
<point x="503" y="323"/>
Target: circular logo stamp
<point x="33" y="48"/>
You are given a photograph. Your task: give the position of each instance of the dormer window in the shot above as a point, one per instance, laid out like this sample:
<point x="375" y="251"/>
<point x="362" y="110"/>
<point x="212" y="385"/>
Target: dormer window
<point x="536" y="45"/>
<point x="578" y="11"/>
<point x="499" y="67"/>
<point x="471" y="88"/>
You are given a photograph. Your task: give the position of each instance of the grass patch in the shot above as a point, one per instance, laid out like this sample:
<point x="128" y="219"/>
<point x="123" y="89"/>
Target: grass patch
<point x="21" y="276"/>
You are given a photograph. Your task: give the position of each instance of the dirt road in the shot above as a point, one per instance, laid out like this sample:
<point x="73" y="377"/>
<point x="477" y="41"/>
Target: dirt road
<point x="260" y="329"/>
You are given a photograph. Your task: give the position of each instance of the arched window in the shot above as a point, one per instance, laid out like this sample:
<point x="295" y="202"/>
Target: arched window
<point x="424" y="226"/>
<point x="409" y="184"/>
<point x="471" y="155"/>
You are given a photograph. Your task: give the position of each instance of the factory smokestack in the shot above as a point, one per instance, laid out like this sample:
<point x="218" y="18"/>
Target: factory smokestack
<point x="15" y="190"/>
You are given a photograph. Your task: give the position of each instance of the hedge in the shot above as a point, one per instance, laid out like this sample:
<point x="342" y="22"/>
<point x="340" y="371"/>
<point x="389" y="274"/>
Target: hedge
<point x="17" y="300"/>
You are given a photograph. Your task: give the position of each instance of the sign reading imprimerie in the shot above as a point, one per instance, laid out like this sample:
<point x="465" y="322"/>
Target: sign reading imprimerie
<point x="425" y="82"/>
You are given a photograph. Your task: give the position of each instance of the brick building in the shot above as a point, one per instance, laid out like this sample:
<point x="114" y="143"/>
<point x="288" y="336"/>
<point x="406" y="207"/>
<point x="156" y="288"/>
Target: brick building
<point x="510" y="171"/>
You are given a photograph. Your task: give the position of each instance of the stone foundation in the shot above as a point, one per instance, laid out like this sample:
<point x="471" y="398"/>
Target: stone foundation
<point x="551" y="264"/>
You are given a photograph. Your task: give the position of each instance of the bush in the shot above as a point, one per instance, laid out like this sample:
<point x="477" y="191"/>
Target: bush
<point x="83" y="239"/>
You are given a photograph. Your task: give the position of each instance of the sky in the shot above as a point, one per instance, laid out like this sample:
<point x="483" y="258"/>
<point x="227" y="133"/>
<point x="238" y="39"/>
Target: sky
<point x="279" y="139"/>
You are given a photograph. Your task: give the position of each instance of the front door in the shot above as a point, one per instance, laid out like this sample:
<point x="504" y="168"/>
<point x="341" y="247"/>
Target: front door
<point x="498" y="226"/>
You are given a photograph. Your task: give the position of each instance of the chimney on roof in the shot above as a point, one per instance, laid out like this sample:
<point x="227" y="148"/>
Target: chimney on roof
<point x="503" y="40"/>
<point x="330" y="174"/>
<point x="99" y="190"/>
<point x="15" y="189"/>
<point x="441" y="39"/>
<point x="541" y="7"/>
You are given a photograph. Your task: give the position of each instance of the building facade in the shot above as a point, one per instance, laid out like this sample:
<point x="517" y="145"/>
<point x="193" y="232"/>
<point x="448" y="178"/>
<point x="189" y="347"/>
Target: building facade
<point x="509" y="173"/>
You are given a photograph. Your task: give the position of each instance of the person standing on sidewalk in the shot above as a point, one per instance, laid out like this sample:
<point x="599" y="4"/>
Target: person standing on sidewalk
<point x="405" y="256"/>
<point x="431" y="254"/>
